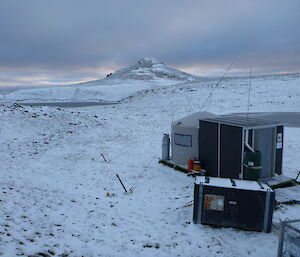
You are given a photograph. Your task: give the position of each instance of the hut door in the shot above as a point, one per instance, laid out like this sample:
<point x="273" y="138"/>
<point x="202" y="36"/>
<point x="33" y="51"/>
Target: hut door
<point x="264" y="139"/>
<point x="231" y="151"/>
<point x="208" y="147"/>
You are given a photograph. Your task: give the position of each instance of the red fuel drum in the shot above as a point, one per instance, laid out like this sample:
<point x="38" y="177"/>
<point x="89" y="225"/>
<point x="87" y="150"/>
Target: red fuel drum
<point x="190" y="163"/>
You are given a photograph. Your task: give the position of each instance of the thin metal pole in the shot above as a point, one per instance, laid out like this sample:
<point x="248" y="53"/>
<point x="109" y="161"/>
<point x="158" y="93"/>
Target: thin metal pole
<point x="249" y="94"/>
<point x="216" y="86"/>
<point x="103" y="157"/>
<point x="297" y="176"/>
<point x="281" y="239"/>
<point x="172" y="111"/>
<point x="121" y="182"/>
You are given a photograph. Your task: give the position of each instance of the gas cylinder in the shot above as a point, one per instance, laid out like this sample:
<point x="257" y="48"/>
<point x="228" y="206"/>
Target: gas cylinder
<point x="190" y="163"/>
<point x="165" y="147"/>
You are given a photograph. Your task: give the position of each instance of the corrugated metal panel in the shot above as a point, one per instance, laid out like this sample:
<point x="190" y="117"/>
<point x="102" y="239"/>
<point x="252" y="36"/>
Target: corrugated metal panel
<point x="243" y="121"/>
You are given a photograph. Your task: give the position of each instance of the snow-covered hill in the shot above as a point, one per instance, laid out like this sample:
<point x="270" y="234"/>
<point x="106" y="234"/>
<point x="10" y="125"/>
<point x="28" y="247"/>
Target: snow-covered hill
<point x="146" y="74"/>
<point x="151" y="69"/>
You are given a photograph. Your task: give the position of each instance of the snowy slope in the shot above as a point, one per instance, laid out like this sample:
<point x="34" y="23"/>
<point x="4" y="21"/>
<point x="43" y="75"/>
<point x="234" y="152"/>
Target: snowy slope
<point x="54" y="182"/>
<point x="146" y="74"/>
<point x="91" y="92"/>
<point x="151" y="69"/>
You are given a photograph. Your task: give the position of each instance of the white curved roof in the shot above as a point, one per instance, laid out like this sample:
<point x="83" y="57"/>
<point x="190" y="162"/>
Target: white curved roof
<point x="192" y="121"/>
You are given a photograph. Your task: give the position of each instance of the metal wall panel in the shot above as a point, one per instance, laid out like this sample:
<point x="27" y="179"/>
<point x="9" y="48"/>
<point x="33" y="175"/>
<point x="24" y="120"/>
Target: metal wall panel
<point x="181" y="154"/>
<point x="250" y="137"/>
<point x="264" y="142"/>
<point x="196" y="214"/>
<point x="279" y="149"/>
<point x="208" y="147"/>
<point x="231" y="149"/>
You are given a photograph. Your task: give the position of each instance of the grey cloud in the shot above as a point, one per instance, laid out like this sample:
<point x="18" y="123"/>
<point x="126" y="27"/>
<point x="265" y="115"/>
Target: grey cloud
<point x="73" y="35"/>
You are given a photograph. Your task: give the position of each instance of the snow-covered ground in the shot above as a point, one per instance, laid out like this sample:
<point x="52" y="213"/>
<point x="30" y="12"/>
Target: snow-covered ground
<point x="114" y="90"/>
<point x="59" y="197"/>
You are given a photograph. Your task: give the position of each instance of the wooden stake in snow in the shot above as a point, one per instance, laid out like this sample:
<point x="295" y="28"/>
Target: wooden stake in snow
<point x="103" y="157"/>
<point x="121" y="182"/>
<point x="190" y="203"/>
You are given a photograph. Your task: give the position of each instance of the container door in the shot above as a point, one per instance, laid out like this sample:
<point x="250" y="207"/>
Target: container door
<point x="208" y="147"/>
<point x="231" y="151"/>
<point x="264" y="142"/>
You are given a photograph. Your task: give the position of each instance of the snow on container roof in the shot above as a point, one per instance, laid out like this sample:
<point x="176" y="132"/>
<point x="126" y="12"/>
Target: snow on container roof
<point x="239" y="184"/>
<point x="244" y="122"/>
<point x="192" y="121"/>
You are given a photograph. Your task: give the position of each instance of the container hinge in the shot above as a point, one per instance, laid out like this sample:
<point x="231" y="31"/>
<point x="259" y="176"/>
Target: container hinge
<point x="233" y="182"/>
<point x="261" y="187"/>
<point x="206" y="179"/>
<point x="267" y="210"/>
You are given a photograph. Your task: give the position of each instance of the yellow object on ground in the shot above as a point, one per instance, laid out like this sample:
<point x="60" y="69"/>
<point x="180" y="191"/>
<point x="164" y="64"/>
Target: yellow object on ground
<point x="196" y="165"/>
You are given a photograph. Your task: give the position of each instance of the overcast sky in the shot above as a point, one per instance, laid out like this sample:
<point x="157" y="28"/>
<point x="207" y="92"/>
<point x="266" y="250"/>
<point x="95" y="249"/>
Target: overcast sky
<point x="65" y="41"/>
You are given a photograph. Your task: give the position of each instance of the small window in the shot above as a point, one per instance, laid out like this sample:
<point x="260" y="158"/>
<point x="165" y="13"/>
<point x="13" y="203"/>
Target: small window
<point x="183" y="140"/>
<point x="214" y="202"/>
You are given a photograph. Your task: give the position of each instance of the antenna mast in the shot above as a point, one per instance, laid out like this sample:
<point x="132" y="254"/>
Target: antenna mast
<point x="249" y="91"/>
<point x="172" y="110"/>
<point x="228" y="68"/>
